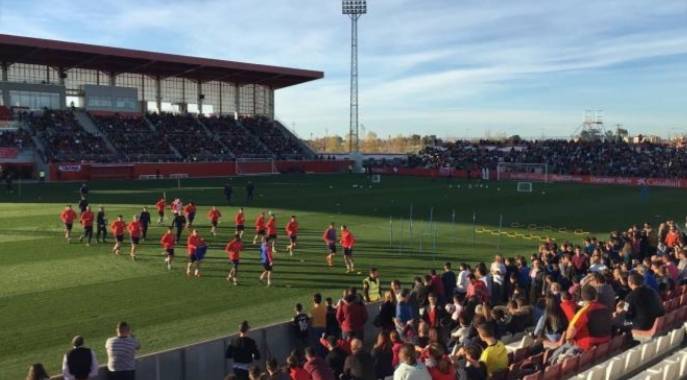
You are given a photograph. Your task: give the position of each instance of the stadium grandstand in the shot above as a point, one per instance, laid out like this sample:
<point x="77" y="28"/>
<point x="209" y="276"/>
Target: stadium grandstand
<point x="66" y="104"/>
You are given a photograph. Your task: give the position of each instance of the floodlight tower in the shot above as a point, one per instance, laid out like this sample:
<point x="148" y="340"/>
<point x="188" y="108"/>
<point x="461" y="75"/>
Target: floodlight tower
<point x="354" y="9"/>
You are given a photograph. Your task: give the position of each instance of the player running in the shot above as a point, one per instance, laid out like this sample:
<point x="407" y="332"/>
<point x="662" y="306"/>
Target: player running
<point x="86" y="220"/>
<point x="292" y="233"/>
<point x="271" y="227"/>
<point x="240" y="222"/>
<point x="214" y="215"/>
<point x="347" y="243"/>
<point x="233" y="250"/>
<point x="135" y="229"/>
<point x="329" y="237"/>
<point x="266" y="260"/>
<point x="196" y="248"/>
<point x="190" y="213"/>
<point x="168" y="241"/>
<point x="259" y="227"/>
<point x="144" y="218"/>
<point x="101" y="220"/>
<point x="117" y="227"/>
<point x="160" y="206"/>
<point x="67" y="216"/>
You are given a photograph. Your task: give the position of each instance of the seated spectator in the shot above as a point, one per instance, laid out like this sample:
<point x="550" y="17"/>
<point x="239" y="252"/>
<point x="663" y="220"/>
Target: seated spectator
<point x="439" y="365"/>
<point x="409" y="368"/>
<point x="552" y="324"/>
<point x="336" y="356"/>
<point x="592" y="324"/>
<point x="470" y="367"/>
<point x="643" y="304"/>
<point x="273" y="371"/>
<point x="296" y="371"/>
<point x="316" y="366"/>
<point x="495" y="355"/>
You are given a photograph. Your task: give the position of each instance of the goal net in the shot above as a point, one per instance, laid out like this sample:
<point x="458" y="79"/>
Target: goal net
<point x="515" y="171"/>
<point x="524" y="187"/>
<point x="250" y="166"/>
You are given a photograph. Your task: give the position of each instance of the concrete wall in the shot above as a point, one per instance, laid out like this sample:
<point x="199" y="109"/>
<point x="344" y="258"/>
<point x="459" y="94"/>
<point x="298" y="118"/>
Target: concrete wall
<point x="205" y="360"/>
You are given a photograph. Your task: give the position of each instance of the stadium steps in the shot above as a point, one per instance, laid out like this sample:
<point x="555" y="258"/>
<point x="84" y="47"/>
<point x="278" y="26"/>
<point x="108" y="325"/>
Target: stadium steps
<point x="85" y="121"/>
<point x="39" y="157"/>
<point x="152" y="128"/>
<point x="214" y="137"/>
<point x="256" y="139"/>
<point x="308" y="152"/>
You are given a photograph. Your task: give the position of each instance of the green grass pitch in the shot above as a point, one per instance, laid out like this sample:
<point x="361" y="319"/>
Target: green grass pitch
<point x="51" y="291"/>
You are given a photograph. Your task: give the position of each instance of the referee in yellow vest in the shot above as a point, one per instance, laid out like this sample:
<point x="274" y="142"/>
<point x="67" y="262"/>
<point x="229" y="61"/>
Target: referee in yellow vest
<point x="371" y="286"/>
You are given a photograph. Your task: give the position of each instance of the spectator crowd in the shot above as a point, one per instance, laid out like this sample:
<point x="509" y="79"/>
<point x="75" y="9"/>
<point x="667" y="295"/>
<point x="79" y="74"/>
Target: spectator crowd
<point x="597" y="158"/>
<point x="134" y="139"/>
<point x="565" y="300"/>
<point x="273" y="134"/>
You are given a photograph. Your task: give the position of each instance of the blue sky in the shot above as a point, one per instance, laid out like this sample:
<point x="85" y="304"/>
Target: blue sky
<point x="454" y="68"/>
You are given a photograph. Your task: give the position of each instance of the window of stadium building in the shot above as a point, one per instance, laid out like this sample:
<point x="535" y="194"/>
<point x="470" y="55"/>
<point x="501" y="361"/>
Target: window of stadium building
<point x="35" y="100"/>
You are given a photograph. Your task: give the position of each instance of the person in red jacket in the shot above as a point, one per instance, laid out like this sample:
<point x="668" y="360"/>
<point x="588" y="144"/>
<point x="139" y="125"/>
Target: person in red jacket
<point x="160" y="206"/>
<point x="259" y="227"/>
<point x="233" y="250"/>
<point x="271" y="227"/>
<point x="347" y="243"/>
<point x="117" y="227"/>
<point x="67" y="216"/>
<point x="240" y="222"/>
<point x="134" y="229"/>
<point x="352" y="315"/>
<point x="329" y="237"/>
<point x="168" y="241"/>
<point x="190" y="213"/>
<point x="292" y="233"/>
<point x="86" y="221"/>
<point x="214" y="216"/>
<point x="195" y="248"/>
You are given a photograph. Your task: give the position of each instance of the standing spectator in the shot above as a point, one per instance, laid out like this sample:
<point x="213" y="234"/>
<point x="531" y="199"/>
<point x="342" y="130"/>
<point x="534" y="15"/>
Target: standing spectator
<point x="409" y="368"/>
<point x="37" y="372"/>
<point x="448" y="278"/>
<point x="359" y="365"/>
<point x="317" y="367"/>
<point x="463" y="281"/>
<point x="301" y="325"/>
<point x="79" y="363"/>
<point x="352" y="316"/>
<point x="318" y="318"/>
<point x="372" y="289"/>
<point x="336" y="356"/>
<point x="243" y="350"/>
<point x="643" y="303"/>
<point x="121" y="354"/>
<point x="333" y="327"/>
<point x="383" y="355"/>
<point x="387" y="312"/>
<point x="404" y="312"/>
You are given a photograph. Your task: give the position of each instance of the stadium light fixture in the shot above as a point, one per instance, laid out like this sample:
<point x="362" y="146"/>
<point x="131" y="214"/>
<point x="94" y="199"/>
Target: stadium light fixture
<point x="354" y="9"/>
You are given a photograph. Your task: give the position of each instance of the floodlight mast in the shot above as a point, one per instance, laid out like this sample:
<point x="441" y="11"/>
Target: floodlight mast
<point x="354" y="9"/>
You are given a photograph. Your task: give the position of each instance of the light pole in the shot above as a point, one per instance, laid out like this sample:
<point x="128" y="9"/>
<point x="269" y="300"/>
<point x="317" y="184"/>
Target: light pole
<point x="354" y="9"/>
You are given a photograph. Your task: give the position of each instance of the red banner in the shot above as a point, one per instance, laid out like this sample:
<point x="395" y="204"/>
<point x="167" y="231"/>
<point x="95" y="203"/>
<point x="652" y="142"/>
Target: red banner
<point x="9" y="152"/>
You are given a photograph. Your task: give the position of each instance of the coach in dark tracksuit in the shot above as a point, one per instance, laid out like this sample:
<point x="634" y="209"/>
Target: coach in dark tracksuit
<point x="101" y="222"/>
<point x="179" y="222"/>
<point x="80" y="362"/>
<point x="144" y="219"/>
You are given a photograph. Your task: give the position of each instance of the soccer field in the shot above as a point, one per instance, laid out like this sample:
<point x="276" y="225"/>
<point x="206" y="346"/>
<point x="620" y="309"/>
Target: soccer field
<point x="51" y="290"/>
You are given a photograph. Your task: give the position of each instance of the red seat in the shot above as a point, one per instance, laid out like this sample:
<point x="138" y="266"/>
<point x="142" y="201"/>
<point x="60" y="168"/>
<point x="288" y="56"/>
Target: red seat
<point x="602" y="351"/>
<point x="552" y="372"/>
<point x="681" y="315"/>
<point x="586" y="359"/>
<point x="656" y="329"/>
<point x="569" y="366"/>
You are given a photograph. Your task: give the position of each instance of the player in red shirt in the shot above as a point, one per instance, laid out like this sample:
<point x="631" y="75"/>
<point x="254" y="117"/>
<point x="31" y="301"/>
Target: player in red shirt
<point x="67" y="216"/>
<point x="292" y="233"/>
<point x="195" y="248"/>
<point x="134" y="229"/>
<point x="329" y="237"/>
<point x="86" y="221"/>
<point x="190" y="213"/>
<point x="160" y="206"/>
<point x="117" y="227"/>
<point x="233" y="250"/>
<point x="271" y="227"/>
<point x="214" y="215"/>
<point x="347" y="243"/>
<point x="240" y="222"/>
<point x="167" y="241"/>
<point x="259" y="227"/>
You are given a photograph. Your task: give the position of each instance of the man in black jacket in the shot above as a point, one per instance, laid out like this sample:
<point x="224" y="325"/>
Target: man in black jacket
<point x="359" y="365"/>
<point x="243" y="350"/>
<point x="79" y="363"/>
<point x="336" y="357"/>
<point x="644" y="304"/>
<point x="101" y="222"/>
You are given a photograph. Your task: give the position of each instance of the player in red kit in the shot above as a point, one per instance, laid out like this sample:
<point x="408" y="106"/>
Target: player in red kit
<point x="214" y="215"/>
<point x="67" y="217"/>
<point x="233" y="250"/>
<point x="135" y="231"/>
<point x="347" y="243"/>
<point x="86" y="220"/>
<point x="240" y="222"/>
<point x="259" y="227"/>
<point x="168" y="241"/>
<point x="292" y="233"/>
<point x="271" y="227"/>
<point x="160" y="206"/>
<point x="196" y="248"/>
<point x="118" y="227"/>
<point x="190" y="213"/>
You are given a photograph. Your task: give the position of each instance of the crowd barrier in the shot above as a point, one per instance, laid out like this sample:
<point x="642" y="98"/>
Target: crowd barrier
<point x="571" y="178"/>
<point x="205" y="360"/>
<point x="91" y="171"/>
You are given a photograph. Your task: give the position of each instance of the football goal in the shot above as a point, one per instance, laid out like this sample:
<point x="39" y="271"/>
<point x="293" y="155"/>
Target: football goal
<point x="524" y="187"/>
